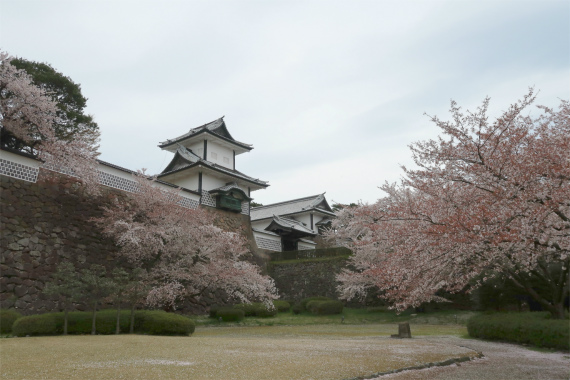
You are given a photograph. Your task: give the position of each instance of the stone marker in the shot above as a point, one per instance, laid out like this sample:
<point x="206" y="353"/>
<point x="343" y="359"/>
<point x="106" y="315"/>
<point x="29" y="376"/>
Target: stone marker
<point x="403" y="331"/>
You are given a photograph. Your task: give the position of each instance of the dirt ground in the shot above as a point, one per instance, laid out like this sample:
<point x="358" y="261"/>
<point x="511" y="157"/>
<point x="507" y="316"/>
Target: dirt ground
<point x="502" y="361"/>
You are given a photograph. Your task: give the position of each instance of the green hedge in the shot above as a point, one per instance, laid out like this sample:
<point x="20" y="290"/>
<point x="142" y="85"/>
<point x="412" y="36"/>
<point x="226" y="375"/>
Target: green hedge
<point x="155" y="322"/>
<point x="249" y="309"/>
<point x="325" y="307"/>
<point x="297" y="308"/>
<point x="534" y="328"/>
<point x="79" y="322"/>
<point x="282" y="306"/>
<point x="256" y="309"/>
<point x="264" y="312"/>
<point x="305" y="301"/>
<point x="7" y="319"/>
<point x="231" y="315"/>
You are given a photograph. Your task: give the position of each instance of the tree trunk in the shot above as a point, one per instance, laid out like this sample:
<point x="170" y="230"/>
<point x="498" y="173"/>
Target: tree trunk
<point x="556" y="308"/>
<point x="94" y="317"/>
<point x="65" y="320"/>
<point x="118" y="328"/>
<point x="132" y="326"/>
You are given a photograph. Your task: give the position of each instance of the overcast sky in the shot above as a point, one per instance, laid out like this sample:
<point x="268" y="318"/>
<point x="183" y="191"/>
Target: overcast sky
<point x="330" y="93"/>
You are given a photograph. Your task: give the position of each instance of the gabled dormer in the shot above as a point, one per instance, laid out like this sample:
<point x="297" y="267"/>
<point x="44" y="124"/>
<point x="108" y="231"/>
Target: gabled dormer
<point x="212" y="142"/>
<point x="204" y="161"/>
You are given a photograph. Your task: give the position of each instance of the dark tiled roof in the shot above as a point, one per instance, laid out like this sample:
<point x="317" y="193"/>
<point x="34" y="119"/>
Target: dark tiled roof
<point x="216" y="167"/>
<point x="227" y="188"/>
<point x="291" y="207"/>
<point x="216" y="128"/>
<point x="290" y="224"/>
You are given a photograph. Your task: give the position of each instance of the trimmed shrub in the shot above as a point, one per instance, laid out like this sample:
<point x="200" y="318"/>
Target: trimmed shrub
<point x="42" y="324"/>
<point x="282" y="306"/>
<point x="7" y="319"/>
<point x="79" y="322"/>
<point x="158" y="322"/>
<point x="305" y="301"/>
<point x="325" y="307"/>
<point x="262" y="312"/>
<point x="249" y="309"/>
<point x="231" y="315"/>
<point x="529" y="328"/>
<point x="214" y="309"/>
<point x="297" y="308"/>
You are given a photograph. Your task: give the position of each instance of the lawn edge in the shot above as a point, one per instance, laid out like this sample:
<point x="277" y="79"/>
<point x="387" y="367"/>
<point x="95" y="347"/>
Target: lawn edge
<point x="448" y="362"/>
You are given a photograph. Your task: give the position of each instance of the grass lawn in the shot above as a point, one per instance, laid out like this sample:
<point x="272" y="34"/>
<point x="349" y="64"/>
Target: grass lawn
<point x="351" y="317"/>
<point x="325" y="351"/>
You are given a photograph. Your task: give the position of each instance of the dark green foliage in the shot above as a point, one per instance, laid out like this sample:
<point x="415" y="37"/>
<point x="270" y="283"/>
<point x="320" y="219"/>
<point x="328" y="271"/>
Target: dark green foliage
<point x="67" y="286"/>
<point x="214" y="310"/>
<point x="282" y="306"/>
<point x="7" y="319"/>
<point x="43" y="324"/>
<point x="297" y="308"/>
<point x="256" y="309"/>
<point x="230" y="315"/>
<point x="263" y="312"/>
<point x="67" y="94"/>
<point x="305" y="301"/>
<point x="249" y="309"/>
<point x="146" y="322"/>
<point x="535" y="328"/>
<point x="325" y="307"/>
<point x="158" y="322"/>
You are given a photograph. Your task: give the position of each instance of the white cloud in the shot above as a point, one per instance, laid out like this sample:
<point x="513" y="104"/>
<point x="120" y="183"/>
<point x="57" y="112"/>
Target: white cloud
<point x="330" y="93"/>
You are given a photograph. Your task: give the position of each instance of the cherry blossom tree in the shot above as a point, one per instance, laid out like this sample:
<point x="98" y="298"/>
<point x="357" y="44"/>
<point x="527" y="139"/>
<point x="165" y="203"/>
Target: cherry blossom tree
<point x="184" y="252"/>
<point x="28" y="115"/>
<point x="486" y="198"/>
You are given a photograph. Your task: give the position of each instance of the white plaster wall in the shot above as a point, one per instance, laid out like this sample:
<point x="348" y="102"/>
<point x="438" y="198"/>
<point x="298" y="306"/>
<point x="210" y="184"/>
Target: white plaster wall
<point x="305" y="218"/>
<point x="9" y="156"/>
<point x="216" y="154"/>
<point x="189" y="182"/>
<point x="261" y="224"/>
<point x="210" y="182"/>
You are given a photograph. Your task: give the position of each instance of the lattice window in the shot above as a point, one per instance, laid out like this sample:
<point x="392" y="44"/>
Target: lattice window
<point x="269" y="244"/>
<point x="189" y="203"/>
<point x="207" y="199"/>
<point x="245" y="208"/>
<point x="18" y="171"/>
<point x="117" y="182"/>
<point x="61" y="169"/>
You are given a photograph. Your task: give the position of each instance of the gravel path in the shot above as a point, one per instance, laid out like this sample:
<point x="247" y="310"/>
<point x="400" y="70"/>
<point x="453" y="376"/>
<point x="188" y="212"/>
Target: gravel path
<point x="502" y="361"/>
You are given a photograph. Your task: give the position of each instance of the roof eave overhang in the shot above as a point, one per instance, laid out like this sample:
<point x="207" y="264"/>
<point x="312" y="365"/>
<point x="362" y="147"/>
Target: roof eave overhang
<point x="299" y="212"/>
<point x="226" y="192"/>
<point x="202" y="165"/>
<point x="237" y="146"/>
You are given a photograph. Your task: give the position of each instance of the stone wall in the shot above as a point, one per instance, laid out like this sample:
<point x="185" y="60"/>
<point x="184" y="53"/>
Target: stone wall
<point x="42" y="224"/>
<point x="298" y="279"/>
<point x="47" y="222"/>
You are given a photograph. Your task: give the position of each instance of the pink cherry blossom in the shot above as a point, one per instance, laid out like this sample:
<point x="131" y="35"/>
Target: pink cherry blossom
<point x="184" y="252"/>
<point x="486" y="197"/>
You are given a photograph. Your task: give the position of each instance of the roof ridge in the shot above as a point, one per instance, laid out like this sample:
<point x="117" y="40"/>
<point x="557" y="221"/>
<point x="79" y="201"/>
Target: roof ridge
<point x="285" y="202"/>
